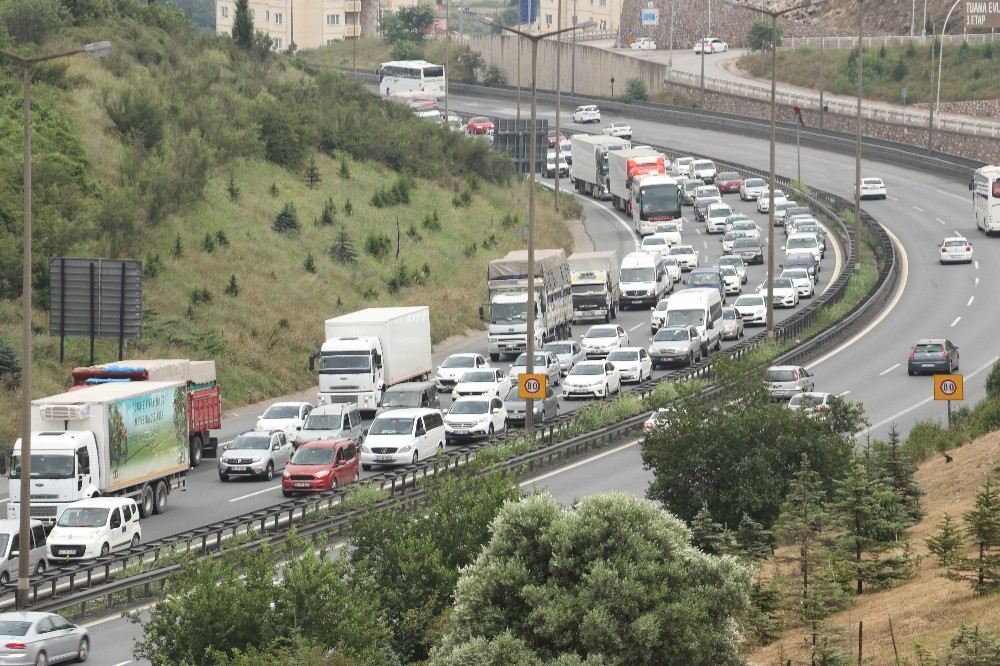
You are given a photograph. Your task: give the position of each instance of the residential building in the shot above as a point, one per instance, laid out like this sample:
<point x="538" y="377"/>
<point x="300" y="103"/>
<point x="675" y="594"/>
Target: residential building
<point x="606" y="14"/>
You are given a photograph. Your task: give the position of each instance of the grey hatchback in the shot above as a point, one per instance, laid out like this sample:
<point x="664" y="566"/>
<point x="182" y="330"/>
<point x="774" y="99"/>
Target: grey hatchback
<point x="932" y="355"/>
<point x="545" y="409"/>
<point x="41" y="638"/>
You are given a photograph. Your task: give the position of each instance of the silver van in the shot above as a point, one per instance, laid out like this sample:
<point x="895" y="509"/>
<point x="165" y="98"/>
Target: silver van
<point x="408" y="395"/>
<point x="9" y="555"/>
<point x="339" y="420"/>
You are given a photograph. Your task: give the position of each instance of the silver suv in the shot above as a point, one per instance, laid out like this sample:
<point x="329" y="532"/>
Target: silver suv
<point x="334" y="421"/>
<point x="784" y="381"/>
<point x="256" y="454"/>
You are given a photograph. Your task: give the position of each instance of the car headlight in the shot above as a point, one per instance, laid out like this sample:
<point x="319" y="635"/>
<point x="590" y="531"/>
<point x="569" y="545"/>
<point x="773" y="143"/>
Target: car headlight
<point x="365" y="449"/>
<point x="404" y="449"/>
<point x="286" y="474"/>
<point x="323" y="473"/>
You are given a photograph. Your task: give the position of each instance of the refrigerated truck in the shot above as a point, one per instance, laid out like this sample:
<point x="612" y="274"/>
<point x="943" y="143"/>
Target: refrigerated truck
<point x="589" y="170"/>
<point x="626" y="165"/>
<point x="204" y="397"/>
<point x="367" y="351"/>
<point x="115" y="439"/>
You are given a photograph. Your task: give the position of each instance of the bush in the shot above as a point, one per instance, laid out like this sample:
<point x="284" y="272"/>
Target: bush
<point x="407" y="50"/>
<point x="494" y="76"/>
<point x="635" y="89"/>
<point x="993" y="381"/>
<point x="395" y="195"/>
<point x="985" y="417"/>
<point x="927" y="438"/>
<point x="378" y="245"/>
<point x="759" y="36"/>
<point x="899" y="71"/>
<point x="137" y="113"/>
<point x="10" y="369"/>
<point x="32" y="20"/>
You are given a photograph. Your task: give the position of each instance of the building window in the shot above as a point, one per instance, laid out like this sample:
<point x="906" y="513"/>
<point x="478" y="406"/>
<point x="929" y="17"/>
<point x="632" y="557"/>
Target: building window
<point x="331" y="42"/>
<point x="225" y="11"/>
<point x="333" y="19"/>
<point x="548" y="19"/>
<point x="277" y="18"/>
<point x="277" y="44"/>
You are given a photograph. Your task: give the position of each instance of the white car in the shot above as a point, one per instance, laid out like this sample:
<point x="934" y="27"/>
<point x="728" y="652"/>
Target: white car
<point x="475" y="417"/>
<point x="753" y="308"/>
<point x="620" y="130"/>
<point x="786" y="294"/>
<point x="673" y="268"/>
<point x="93" y="527"/>
<point x="751" y="188"/>
<point x="872" y="188"/>
<point x="735" y="262"/>
<point x="765" y="198"/>
<point x="956" y="249"/>
<point x="710" y="45"/>
<point x="707" y="192"/>
<point x="288" y="417"/>
<point x="802" y="280"/>
<point x="588" y="113"/>
<point x="802" y="243"/>
<point x="685" y="255"/>
<point x="644" y="44"/>
<point x="403" y="436"/>
<point x="453" y="367"/>
<point x="748" y="226"/>
<point x="546" y="363"/>
<point x="655" y="244"/>
<point x="732" y="324"/>
<point x="658" y="315"/>
<point x="813" y="403"/>
<point x="732" y="280"/>
<point x="704" y="169"/>
<point x="657" y="419"/>
<point x="669" y="230"/>
<point x="485" y="381"/>
<point x="550" y="165"/>
<point x="683" y="165"/>
<point x="568" y="352"/>
<point x="601" y="339"/>
<point x="715" y="218"/>
<point x="592" y="378"/>
<point x="632" y="363"/>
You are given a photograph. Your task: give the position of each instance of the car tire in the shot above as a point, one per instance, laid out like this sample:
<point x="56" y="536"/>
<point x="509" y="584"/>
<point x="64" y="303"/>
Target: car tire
<point x="910" y="372"/>
<point x="83" y="652"/>
<point x="691" y="358"/>
<point x="41" y="660"/>
<point x="4" y="579"/>
<point x="135" y="541"/>
<point x="105" y="549"/>
<point x="40" y="567"/>
<point x="269" y="472"/>
<point x="222" y="477"/>
<point x="416" y="457"/>
<point x="146" y="499"/>
<point x="489" y="433"/>
<point x="159" y="498"/>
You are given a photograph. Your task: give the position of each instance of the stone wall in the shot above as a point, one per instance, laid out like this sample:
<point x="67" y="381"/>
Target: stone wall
<point x="983" y="108"/>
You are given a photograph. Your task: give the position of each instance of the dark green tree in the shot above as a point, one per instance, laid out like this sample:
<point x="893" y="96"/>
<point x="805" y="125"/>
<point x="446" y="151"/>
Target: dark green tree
<point x="232" y="189"/>
<point x="983" y="526"/>
<point x="408" y="24"/>
<point x="208" y="243"/>
<point x="178" y="249"/>
<point x="804" y="518"/>
<point x="708" y="535"/>
<point x="348" y="208"/>
<point x="888" y="460"/>
<point x="342" y="249"/>
<point x="345" y="170"/>
<point x="752" y="540"/>
<point x="993" y="381"/>
<point x="972" y="646"/>
<point x="759" y="36"/>
<point x="329" y="214"/>
<point x="947" y="542"/>
<point x="635" y="89"/>
<point x="310" y="263"/>
<point x="311" y="174"/>
<point x="287" y="221"/>
<point x="10" y="368"/>
<point x="233" y="287"/>
<point x="243" y="26"/>
<point x="33" y="20"/>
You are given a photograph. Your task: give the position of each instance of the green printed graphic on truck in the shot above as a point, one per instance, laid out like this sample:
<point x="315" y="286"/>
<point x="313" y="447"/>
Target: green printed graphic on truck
<point x="147" y="436"/>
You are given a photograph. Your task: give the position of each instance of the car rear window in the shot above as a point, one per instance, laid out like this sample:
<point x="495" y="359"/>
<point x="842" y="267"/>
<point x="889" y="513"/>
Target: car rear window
<point x="928" y="348"/>
<point x="955" y="243"/>
<point x="781" y="375"/>
<point x="728" y="175"/>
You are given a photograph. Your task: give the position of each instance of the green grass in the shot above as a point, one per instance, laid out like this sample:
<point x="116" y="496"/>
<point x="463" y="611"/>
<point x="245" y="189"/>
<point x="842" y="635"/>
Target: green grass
<point x="368" y="53"/>
<point x="970" y="72"/>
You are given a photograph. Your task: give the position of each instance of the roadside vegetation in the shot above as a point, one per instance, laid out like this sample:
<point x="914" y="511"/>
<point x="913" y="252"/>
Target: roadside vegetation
<point x="969" y="71"/>
<point x="261" y="198"/>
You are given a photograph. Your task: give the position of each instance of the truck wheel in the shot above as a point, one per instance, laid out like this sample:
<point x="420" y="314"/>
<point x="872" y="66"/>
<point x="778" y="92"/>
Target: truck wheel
<point x="4" y="578"/>
<point x="494" y="357"/>
<point x="196" y="451"/>
<point x="146" y="501"/>
<point x="160" y="498"/>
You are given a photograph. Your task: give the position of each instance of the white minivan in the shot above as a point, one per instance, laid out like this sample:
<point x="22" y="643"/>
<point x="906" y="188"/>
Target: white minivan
<point x="92" y="527"/>
<point x="644" y="279"/>
<point x="10" y="550"/>
<point x="701" y="308"/>
<point x="403" y="436"/>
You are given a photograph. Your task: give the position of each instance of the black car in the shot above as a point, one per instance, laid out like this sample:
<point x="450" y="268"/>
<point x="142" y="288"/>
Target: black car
<point x="933" y="355"/>
<point x="803" y="260"/>
<point x="749" y="249"/>
<point x="707" y="277"/>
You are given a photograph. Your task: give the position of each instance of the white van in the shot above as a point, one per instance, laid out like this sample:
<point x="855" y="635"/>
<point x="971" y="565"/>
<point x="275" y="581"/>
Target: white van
<point x="701" y="308"/>
<point x="10" y="551"/>
<point x="403" y="436"/>
<point x="644" y="279"/>
<point x="93" y="527"/>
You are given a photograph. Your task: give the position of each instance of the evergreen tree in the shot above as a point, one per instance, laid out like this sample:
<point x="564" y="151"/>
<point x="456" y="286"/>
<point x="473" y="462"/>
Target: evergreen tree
<point x="947" y="542"/>
<point x="804" y="517"/>
<point x="243" y="25"/>
<point x="824" y="596"/>
<point x="752" y="539"/>
<point x="233" y="288"/>
<point x="345" y="170"/>
<point x="329" y="214"/>
<point x="310" y="263"/>
<point x="311" y="175"/>
<point x="342" y="249"/>
<point x="287" y="220"/>
<point x="232" y="189"/>
<point x="348" y="208"/>
<point x="889" y="461"/>
<point x="983" y="525"/>
<point x="178" y="250"/>
<point x="708" y="535"/>
<point x="208" y="243"/>
<point x="10" y="368"/>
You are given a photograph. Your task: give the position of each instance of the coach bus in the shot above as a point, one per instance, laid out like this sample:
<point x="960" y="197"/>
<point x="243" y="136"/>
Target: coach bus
<point x="402" y="76"/>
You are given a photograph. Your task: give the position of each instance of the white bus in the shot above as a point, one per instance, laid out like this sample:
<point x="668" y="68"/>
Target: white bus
<point x="400" y="76"/>
<point x="986" y="198"/>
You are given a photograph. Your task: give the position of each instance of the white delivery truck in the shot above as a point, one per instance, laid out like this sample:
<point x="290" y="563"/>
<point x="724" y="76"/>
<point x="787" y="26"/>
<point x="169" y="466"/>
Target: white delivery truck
<point x="986" y="198"/>
<point x="594" y="283"/>
<point x="589" y="170"/>
<point x="626" y="165"/>
<point x="115" y="439"/>
<point x="368" y="351"/>
<point x="507" y="282"/>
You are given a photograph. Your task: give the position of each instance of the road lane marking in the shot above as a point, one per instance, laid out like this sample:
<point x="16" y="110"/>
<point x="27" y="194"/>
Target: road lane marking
<point x="892" y="198"/>
<point x="976" y="264"/>
<point x="581" y="463"/>
<point x="977" y="282"/>
<point x="957" y="319"/>
<point x="5" y="499"/>
<point x="259" y="492"/>
<point x="637" y="327"/>
<point x="918" y="209"/>
<point x="939" y="220"/>
<point x="843" y="393"/>
<point x="888" y="370"/>
<point x="949" y="194"/>
<point x="971" y="298"/>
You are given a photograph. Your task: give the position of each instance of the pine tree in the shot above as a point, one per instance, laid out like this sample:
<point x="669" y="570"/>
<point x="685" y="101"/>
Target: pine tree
<point x="824" y="597"/>
<point x="329" y="214"/>
<point x="708" y="535"/>
<point x="233" y="288"/>
<point x="983" y="525"/>
<point x="208" y="243"/>
<point x="348" y="208"/>
<point x="889" y="461"/>
<point x="345" y="171"/>
<point x="804" y="517"/>
<point x="243" y="25"/>
<point x="752" y="539"/>
<point x="178" y="250"/>
<point x="311" y="175"/>
<point x="273" y="190"/>
<point x="342" y="249"/>
<point x="310" y="263"/>
<point x="10" y="368"/>
<point x="947" y="542"/>
<point x="287" y="221"/>
<point x="232" y="189"/>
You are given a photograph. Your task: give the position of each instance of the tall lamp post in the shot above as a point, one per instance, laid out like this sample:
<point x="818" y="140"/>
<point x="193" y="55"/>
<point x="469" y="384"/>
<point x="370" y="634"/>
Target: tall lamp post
<point x="27" y="65"/>
<point x="529" y="333"/>
<point x="857" y="138"/>
<point x="774" y="14"/>
<point x="944" y="29"/>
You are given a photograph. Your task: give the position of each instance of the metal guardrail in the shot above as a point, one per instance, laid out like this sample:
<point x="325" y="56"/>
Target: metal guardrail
<point x="882" y="40"/>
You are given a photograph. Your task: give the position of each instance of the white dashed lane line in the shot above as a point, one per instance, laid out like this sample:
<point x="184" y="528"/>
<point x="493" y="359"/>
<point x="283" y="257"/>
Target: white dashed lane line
<point x="957" y="319"/>
<point x="888" y="370"/>
<point x="971" y="298"/>
<point x="939" y="220"/>
<point x="918" y="209"/>
<point x="636" y="327"/>
<point x="843" y="393"/>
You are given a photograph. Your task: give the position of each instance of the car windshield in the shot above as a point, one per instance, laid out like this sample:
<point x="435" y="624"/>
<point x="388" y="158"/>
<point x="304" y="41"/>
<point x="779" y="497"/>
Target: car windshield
<point x="796" y="274"/>
<point x="389" y="425"/>
<point x="728" y="313"/>
<point x="470" y="407"/>
<point x="872" y="181"/>
<point x="559" y="347"/>
<point x="745" y="243"/>
<point x="347" y="363"/>
<point x="681" y="250"/>
<point x="929" y="348"/>
<point x="783" y="283"/>
<point x="780" y="375"/>
<point x="806" y="400"/>
<point x="324" y="421"/>
<point x="313" y="455"/>
<point x="623" y="355"/>
<point x="403" y="398"/>
<point x="653" y="240"/>
<point x="727" y="270"/>
<point x="703" y="280"/>
<point x="955" y="243"/>
<point x="588" y="369"/>
<point x="522" y="360"/>
<point x="703" y="164"/>
<point x="747" y="225"/>
<point x="813" y="229"/>
<point x="728" y="175"/>
<point x="601" y="333"/>
<point x="45" y="466"/>
<point x="282" y="412"/>
<point x="14" y="628"/>
<point x="669" y="261"/>
<point x="637" y="274"/>
<point x="83" y="517"/>
<point x="755" y="182"/>
<point x="459" y="362"/>
<point x="706" y="192"/>
<point x="749" y="301"/>
<point x="685" y="317"/>
<point x="671" y="335"/>
<point x="801" y="242"/>
<point x="666" y="228"/>
<point x="479" y="376"/>
<point x="730" y="261"/>
<point x="719" y="212"/>
<point x="251" y="443"/>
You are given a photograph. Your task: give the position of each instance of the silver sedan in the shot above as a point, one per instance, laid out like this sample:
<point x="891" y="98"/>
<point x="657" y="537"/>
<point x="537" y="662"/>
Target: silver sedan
<point x="41" y="638"/>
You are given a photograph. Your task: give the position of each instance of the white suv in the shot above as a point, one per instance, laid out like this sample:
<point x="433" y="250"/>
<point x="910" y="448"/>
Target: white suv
<point x="93" y="527"/>
<point x="589" y="113"/>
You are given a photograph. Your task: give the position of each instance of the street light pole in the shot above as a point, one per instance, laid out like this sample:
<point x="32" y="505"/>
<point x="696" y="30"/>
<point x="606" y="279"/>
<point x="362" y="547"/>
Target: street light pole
<point x="27" y="65"/>
<point x="944" y="29"/>
<point x="559" y="44"/>
<point x="857" y="138"/>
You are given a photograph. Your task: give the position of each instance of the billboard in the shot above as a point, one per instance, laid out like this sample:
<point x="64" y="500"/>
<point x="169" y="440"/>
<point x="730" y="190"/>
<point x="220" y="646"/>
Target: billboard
<point x="148" y="436"/>
<point x="95" y="298"/>
<point x="650" y="16"/>
<point x="528" y="11"/>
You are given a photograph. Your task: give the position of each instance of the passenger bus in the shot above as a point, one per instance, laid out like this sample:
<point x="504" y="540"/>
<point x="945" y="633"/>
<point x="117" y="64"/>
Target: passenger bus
<point x="400" y="76"/>
<point x="655" y="198"/>
<point x="986" y="198"/>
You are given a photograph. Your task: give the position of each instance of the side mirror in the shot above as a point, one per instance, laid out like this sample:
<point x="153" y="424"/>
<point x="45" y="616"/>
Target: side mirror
<point x="298" y="427"/>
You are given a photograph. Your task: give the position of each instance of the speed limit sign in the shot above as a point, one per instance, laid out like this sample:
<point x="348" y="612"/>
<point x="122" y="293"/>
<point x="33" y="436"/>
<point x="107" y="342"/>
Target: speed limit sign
<point x="949" y="387"/>
<point x="531" y="387"/>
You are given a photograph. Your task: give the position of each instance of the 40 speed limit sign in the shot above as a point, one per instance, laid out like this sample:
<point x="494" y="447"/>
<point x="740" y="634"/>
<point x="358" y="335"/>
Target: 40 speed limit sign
<point x="531" y="387"/>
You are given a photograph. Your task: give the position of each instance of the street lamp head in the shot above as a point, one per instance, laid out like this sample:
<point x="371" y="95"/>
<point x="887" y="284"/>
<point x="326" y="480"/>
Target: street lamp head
<point x="97" y="49"/>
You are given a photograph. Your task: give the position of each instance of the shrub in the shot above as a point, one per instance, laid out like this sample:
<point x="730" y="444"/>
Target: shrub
<point x="152" y="265"/>
<point x="233" y="288"/>
<point x="199" y="296"/>
<point x="311" y="175"/>
<point x="208" y="243"/>
<point x="310" y="263"/>
<point x="137" y="113"/>
<point x="342" y="249"/>
<point x="378" y="245"/>
<point x="10" y="369"/>
<point x="348" y="208"/>
<point x="329" y="214"/>
<point x="395" y="195"/>
<point x="635" y="89"/>
<point x="232" y="189"/>
<point x="178" y="249"/>
<point x="927" y="438"/>
<point x="32" y="20"/>
<point x="432" y="222"/>
<point x="899" y="71"/>
<point x="494" y="76"/>
<point x="993" y="381"/>
<point x="759" y="36"/>
<point x="407" y="50"/>
<point x="345" y="170"/>
<point x="985" y="416"/>
<point x="287" y="221"/>
<point x="221" y="238"/>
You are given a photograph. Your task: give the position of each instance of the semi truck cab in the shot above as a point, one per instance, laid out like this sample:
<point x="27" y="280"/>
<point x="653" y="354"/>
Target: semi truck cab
<point x="64" y="469"/>
<point x="350" y="370"/>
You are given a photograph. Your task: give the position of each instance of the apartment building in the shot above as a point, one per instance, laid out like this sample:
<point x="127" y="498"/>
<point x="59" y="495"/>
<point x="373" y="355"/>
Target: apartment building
<point x="606" y="14"/>
<point x="309" y="24"/>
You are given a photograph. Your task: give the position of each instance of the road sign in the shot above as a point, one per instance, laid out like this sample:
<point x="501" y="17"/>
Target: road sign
<point x="948" y="387"/>
<point x="982" y="14"/>
<point x="650" y="16"/>
<point x="531" y="387"/>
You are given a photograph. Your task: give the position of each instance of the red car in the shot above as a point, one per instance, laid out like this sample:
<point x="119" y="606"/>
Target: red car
<point x="553" y="138"/>
<point x="728" y="182"/>
<point x="321" y="465"/>
<point x="479" y="125"/>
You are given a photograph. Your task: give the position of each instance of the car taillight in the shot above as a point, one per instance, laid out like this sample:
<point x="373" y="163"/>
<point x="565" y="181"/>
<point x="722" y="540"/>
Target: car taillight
<point x="968" y="248"/>
<point x="944" y="354"/>
<point x="913" y="352"/>
<point x="944" y="249"/>
<point x="15" y="646"/>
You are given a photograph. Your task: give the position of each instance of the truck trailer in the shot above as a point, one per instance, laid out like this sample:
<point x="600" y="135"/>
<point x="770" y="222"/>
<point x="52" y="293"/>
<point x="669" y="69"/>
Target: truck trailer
<point x="589" y="170"/>
<point x="594" y="281"/>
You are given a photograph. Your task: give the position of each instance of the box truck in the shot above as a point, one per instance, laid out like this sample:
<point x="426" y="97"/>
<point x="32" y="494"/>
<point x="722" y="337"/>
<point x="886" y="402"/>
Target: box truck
<point x="589" y="171"/>
<point x="367" y="351"/>
<point x="507" y="282"/>
<point x="114" y="439"/>
<point x="626" y="165"/>
<point x="204" y="398"/>
<point x="594" y="284"/>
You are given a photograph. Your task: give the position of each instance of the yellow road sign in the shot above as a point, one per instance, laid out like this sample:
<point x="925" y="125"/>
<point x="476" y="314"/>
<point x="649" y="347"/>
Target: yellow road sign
<point x="531" y="387"/>
<point x="948" y="387"/>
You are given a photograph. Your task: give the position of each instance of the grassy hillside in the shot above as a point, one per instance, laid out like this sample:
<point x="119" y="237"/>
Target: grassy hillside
<point x="165" y="126"/>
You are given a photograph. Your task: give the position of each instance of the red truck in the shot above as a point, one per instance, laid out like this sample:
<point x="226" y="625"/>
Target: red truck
<point x="204" y="399"/>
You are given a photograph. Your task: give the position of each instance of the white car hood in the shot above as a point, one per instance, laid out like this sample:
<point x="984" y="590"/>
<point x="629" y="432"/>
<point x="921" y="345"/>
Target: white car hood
<point x="452" y="373"/>
<point x="583" y="380"/>
<point x="477" y="386"/>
